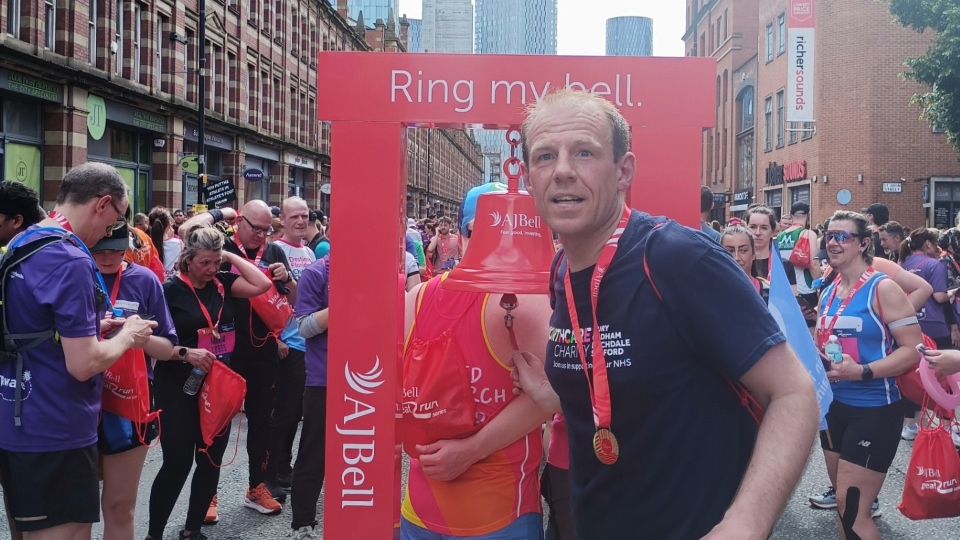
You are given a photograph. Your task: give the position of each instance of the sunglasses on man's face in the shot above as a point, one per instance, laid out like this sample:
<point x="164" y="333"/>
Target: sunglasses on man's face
<point x="840" y="237"/>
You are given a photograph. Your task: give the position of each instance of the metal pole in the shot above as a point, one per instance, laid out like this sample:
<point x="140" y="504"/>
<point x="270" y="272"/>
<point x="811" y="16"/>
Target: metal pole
<point x="202" y="105"/>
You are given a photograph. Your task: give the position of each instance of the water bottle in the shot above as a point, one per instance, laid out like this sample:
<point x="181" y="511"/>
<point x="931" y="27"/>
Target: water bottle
<point x="833" y="350"/>
<point x="192" y="386"/>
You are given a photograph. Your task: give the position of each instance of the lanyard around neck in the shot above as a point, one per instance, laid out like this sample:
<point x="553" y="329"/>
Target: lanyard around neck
<point x="203" y="308"/>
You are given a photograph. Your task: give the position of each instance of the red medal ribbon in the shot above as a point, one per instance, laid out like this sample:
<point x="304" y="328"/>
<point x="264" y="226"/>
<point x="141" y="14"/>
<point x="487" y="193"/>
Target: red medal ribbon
<point x="203" y="308"/>
<point x="827" y="328"/>
<point x="256" y="261"/>
<point x="61" y="219"/>
<point x="600" y="386"/>
<point x="116" y="286"/>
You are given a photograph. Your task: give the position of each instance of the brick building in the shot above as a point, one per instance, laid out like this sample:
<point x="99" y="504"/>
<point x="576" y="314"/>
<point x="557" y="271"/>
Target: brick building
<point x="867" y="144"/>
<point x="727" y="30"/>
<point x="116" y="81"/>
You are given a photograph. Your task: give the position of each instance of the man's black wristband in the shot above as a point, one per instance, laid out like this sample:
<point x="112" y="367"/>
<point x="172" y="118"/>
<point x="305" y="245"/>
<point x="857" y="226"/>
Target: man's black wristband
<point x="217" y="215"/>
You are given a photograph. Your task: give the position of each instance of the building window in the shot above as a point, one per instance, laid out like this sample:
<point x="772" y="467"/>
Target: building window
<point x="252" y="95"/>
<point x="92" y="33"/>
<point x="213" y="58"/>
<point x="137" y="49"/>
<point x="265" y="113"/>
<point x="230" y="88"/>
<point x="726" y="23"/>
<point x="277" y="105"/>
<point x="50" y="26"/>
<point x="807" y="131"/>
<point x="158" y="66"/>
<point x="780" y="119"/>
<point x="294" y="112"/>
<point x="768" y="124"/>
<point x="792" y="135"/>
<point x="190" y="89"/>
<point x="782" y="37"/>
<point x="13" y="18"/>
<point x="770" y="42"/>
<point x="118" y="64"/>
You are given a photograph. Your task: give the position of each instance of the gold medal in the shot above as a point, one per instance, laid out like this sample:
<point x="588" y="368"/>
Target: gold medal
<point x="605" y="446"/>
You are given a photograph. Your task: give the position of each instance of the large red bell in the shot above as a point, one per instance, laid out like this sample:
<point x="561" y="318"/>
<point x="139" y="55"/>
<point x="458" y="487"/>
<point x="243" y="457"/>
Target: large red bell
<point x="511" y="248"/>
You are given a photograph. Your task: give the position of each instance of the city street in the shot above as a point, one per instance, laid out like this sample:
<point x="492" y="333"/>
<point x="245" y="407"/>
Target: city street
<point x="799" y="521"/>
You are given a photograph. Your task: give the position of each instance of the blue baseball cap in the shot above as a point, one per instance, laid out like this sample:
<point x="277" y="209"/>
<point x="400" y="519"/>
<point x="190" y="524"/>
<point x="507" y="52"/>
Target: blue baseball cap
<point x="468" y="208"/>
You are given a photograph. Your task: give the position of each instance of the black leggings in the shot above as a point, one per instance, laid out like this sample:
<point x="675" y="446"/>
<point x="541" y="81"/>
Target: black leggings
<point x="287" y="410"/>
<point x="180" y="440"/>
<point x="308" y="471"/>
<point x="259" y="368"/>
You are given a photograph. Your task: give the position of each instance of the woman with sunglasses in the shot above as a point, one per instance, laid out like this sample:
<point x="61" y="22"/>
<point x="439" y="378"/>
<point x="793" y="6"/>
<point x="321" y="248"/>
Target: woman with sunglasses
<point x="739" y="242"/>
<point x="133" y="290"/>
<point x="199" y="299"/>
<point x="869" y="314"/>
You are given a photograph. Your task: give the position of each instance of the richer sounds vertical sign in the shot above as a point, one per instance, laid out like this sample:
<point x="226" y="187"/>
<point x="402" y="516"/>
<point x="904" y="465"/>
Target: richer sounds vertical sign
<point x="800" y="43"/>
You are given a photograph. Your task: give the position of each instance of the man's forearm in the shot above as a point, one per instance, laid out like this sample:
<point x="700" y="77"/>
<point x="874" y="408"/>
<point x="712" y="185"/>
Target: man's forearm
<point x="783" y="445"/>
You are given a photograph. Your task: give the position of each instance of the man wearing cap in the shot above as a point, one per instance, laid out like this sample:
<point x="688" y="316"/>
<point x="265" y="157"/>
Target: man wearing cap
<point x="50" y="408"/>
<point x="787" y="242"/>
<point x="485" y="485"/>
<point x="877" y="214"/>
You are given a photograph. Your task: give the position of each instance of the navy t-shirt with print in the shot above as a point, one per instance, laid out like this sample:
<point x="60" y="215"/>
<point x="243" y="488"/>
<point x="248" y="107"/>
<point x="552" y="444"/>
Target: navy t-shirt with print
<point x="685" y="439"/>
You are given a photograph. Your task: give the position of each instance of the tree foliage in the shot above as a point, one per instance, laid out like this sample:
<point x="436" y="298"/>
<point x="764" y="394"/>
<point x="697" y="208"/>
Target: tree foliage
<point x="939" y="67"/>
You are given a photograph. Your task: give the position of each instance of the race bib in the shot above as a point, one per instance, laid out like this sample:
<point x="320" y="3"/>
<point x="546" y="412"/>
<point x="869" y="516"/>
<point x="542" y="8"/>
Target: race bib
<point x="220" y="343"/>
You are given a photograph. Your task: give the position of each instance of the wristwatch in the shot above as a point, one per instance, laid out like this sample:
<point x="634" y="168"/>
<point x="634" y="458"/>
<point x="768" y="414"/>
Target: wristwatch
<point x="867" y="373"/>
<point x="182" y="353"/>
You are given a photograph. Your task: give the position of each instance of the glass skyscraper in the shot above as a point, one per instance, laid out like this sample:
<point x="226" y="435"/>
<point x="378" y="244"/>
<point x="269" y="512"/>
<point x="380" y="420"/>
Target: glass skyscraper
<point x="630" y="36"/>
<point x="511" y="27"/>
<point x="414" y="35"/>
<point x="372" y="10"/>
<point x="448" y="26"/>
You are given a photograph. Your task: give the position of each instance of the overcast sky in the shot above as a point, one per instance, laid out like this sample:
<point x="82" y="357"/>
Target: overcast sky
<point x="582" y="23"/>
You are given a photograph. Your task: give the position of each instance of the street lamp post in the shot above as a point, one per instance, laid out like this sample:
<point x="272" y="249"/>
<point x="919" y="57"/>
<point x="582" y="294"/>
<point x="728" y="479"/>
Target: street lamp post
<point x="202" y="105"/>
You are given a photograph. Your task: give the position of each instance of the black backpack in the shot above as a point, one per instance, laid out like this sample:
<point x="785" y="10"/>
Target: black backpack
<point x="10" y="351"/>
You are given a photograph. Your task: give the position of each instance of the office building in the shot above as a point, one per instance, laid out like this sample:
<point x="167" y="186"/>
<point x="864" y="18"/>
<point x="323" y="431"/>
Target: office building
<point x="630" y="36"/>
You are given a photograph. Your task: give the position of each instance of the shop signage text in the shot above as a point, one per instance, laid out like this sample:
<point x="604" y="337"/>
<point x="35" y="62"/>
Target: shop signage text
<point x="212" y="138"/>
<point x="800" y="39"/>
<point x="31" y="86"/>
<point x="743" y="197"/>
<point x="892" y="187"/>
<point x="789" y="172"/>
<point x="253" y="175"/>
<point x="219" y="193"/>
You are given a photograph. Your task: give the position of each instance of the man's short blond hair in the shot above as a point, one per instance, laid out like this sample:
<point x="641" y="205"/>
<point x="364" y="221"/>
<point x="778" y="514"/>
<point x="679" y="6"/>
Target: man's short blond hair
<point x="578" y="99"/>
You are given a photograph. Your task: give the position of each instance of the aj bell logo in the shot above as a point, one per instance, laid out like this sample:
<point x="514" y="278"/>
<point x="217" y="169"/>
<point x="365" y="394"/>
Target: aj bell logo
<point x="363" y="382"/>
<point x="514" y="220"/>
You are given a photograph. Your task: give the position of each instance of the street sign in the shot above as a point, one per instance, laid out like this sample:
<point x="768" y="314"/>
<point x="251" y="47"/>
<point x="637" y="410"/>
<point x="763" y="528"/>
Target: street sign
<point x="189" y="164"/>
<point x="253" y="175"/>
<point x="892" y="187"/>
<point x="325" y="189"/>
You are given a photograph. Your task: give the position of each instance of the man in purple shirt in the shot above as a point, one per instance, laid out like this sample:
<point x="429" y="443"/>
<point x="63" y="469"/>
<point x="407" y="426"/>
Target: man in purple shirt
<point x="312" y="315"/>
<point x="48" y="448"/>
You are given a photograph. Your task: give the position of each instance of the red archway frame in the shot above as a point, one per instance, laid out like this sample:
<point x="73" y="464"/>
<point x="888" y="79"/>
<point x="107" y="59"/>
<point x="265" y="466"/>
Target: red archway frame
<point x="371" y="99"/>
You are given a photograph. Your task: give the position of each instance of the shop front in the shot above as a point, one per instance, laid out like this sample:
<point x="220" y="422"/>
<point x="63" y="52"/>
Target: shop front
<point x="258" y="163"/>
<point x="300" y="169"/>
<point x="23" y="100"/>
<point x="216" y="145"/>
<point x="793" y="175"/>
<point x="945" y="205"/>
<point x="126" y="137"/>
<point x="742" y="200"/>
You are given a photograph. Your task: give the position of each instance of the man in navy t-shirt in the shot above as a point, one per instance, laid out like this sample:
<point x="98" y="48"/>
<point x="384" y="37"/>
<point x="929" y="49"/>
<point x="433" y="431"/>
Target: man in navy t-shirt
<point x="659" y="441"/>
<point x="48" y="449"/>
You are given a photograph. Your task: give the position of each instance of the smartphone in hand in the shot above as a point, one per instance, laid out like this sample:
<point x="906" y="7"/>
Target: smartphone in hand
<point x="113" y="333"/>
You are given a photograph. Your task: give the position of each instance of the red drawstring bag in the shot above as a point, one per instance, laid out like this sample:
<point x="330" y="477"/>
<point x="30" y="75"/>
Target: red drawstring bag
<point x="273" y="309"/>
<point x="800" y="256"/>
<point x="220" y="399"/>
<point x="931" y="489"/>
<point x="126" y="390"/>
<point x="437" y="398"/>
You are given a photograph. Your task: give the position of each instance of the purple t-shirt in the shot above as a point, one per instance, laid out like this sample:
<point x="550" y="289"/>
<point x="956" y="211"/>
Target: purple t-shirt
<point x="932" y="320"/>
<point x="141" y="294"/>
<point x="53" y="288"/>
<point x="313" y="294"/>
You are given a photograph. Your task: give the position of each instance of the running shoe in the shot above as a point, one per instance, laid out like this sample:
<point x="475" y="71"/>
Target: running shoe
<point x="193" y="536"/>
<point x="213" y="516"/>
<point x="262" y="501"/>
<point x="305" y="533"/>
<point x="285" y="480"/>
<point x="827" y="500"/>
<point x="875" y="510"/>
<point x="909" y="432"/>
<point x="278" y="492"/>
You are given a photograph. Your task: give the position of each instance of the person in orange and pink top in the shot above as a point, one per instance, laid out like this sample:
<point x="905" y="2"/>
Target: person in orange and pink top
<point x="443" y="251"/>
<point x="484" y="485"/>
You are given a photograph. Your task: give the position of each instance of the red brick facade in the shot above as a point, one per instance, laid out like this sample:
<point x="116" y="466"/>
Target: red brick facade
<point x="116" y="81"/>
<point x="866" y="132"/>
